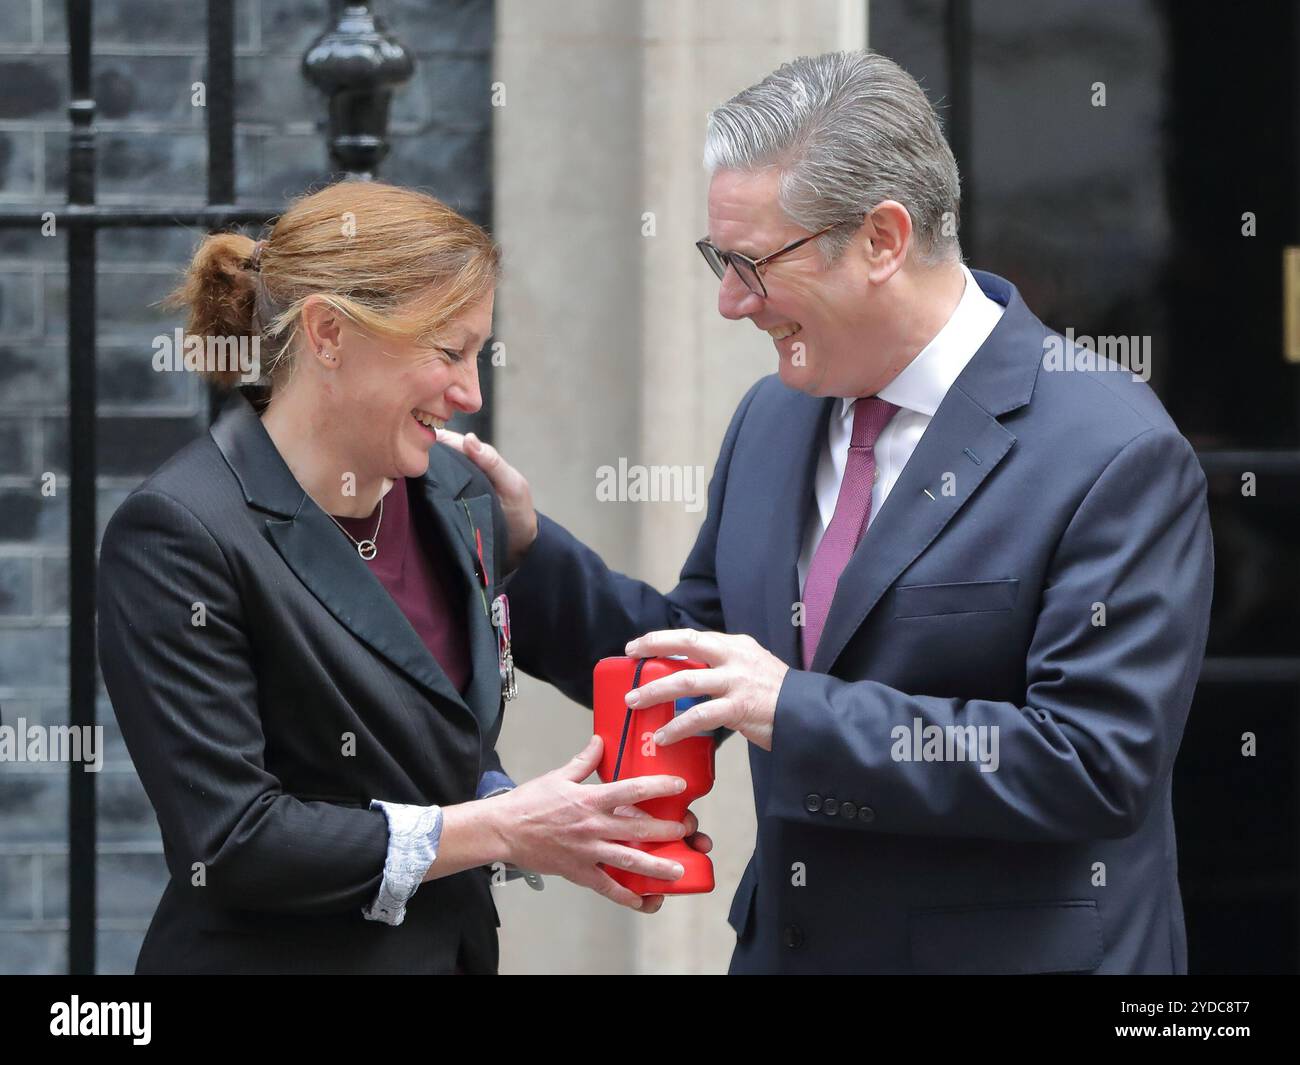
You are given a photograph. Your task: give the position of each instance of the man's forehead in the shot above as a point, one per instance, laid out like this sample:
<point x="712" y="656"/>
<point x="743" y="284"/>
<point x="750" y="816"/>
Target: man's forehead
<point x="744" y="206"/>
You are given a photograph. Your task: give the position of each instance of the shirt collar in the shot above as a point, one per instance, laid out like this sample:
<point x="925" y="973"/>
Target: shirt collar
<point x="924" y="382"/>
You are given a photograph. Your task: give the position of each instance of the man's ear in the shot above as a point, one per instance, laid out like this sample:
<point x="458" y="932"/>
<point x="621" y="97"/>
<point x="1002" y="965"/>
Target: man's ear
<point x="888" y="229"/>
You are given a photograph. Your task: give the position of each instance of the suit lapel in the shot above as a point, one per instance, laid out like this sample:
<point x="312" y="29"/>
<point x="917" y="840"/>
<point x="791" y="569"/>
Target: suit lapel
<point x="334" y="573"/>
<point x="458" y="517"/>
<point x="964" y="439"/>
<point x="910" y="519"/>
<point x="803" y="428"/>
<point x="329" y="566"/>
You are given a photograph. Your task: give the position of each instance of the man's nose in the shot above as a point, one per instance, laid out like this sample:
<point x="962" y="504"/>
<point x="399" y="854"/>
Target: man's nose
<point x="464" y="394"/>
<point x="735" y="301"/>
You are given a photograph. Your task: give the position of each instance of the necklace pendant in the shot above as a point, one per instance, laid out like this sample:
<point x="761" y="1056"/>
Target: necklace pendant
<point x="367" y="549"/>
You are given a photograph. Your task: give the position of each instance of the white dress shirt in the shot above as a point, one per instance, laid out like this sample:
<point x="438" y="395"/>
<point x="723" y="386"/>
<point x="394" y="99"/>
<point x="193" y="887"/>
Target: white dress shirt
<point x="917" y="392"/>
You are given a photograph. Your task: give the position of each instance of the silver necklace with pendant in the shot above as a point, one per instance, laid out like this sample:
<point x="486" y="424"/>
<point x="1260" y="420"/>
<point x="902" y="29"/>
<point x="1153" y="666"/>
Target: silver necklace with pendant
<point x="367" y="549"/>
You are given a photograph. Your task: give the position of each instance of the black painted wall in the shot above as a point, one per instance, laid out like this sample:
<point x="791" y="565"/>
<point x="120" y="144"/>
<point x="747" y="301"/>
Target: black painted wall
<point x="152" y="150"/>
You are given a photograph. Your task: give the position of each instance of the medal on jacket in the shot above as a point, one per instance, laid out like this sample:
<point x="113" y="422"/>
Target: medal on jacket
<point x="499" y="614"/>
<point x="505" y="659"/>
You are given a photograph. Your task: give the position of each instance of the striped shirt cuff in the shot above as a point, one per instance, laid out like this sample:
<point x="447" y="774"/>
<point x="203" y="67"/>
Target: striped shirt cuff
<point x="413" y="836"/>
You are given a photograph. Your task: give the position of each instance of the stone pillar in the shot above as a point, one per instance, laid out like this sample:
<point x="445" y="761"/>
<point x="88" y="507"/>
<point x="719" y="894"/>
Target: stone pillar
<point x="614" y="349"/>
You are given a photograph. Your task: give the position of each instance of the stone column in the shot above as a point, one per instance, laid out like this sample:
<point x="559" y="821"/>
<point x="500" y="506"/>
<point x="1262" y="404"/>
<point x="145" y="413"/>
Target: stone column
<point x="614" y="349"/>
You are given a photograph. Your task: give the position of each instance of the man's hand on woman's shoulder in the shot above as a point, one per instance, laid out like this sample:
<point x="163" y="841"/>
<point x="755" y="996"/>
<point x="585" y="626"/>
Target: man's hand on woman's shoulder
<point x="510" y="486"/>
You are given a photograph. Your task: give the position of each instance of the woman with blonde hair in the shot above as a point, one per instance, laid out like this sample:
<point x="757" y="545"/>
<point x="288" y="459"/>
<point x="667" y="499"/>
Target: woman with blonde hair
<point x="296" y="620"/>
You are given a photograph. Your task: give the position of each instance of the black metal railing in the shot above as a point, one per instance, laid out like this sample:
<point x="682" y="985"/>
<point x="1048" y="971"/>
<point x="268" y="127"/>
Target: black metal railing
<point x="358" y="65"/>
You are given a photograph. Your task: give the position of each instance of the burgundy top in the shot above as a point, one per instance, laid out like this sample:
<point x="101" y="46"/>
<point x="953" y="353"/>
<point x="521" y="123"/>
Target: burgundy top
<point x="412" y="563"/>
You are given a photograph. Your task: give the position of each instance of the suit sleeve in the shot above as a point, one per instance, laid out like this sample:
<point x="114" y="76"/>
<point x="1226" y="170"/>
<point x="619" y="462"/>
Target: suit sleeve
<point x="570" y="610"/>
<point x="186" y="700"/>
<point x="1105" y="704"/>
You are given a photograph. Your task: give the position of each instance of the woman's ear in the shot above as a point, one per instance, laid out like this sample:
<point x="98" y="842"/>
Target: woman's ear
<point x="322" y="327"/>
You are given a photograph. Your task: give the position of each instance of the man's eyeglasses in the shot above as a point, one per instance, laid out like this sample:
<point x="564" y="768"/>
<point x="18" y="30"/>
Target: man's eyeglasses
<point x="747" y="269"/>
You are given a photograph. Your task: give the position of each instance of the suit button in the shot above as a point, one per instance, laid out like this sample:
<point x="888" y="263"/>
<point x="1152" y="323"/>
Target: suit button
<point x="866" y="813"/>
<point x="812" y="803"/>
<point x="830" y="807"/>
<point x="847" y="809"/>
<point x="793" y="936"/>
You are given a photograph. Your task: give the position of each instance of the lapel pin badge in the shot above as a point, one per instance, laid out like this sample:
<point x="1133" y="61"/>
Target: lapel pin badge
<point x="480" y="567"/>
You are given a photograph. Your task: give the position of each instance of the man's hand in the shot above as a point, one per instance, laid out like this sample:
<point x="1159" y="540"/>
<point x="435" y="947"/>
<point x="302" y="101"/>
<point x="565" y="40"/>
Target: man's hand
<point x="744" y="680"/>
<point x="510" y="486"/>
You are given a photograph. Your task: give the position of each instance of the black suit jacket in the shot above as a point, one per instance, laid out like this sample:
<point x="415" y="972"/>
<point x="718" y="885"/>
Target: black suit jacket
<point x="268" y="687"/>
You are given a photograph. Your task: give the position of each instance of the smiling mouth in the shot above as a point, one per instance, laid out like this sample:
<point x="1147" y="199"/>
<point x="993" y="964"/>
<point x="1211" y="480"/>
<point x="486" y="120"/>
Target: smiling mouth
<point x="427" y="420"/>
<point x="780" y="332"/>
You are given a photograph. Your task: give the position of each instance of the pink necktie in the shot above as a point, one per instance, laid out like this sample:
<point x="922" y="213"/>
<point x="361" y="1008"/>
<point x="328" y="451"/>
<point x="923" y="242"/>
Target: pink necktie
<point x="852" y="512"/>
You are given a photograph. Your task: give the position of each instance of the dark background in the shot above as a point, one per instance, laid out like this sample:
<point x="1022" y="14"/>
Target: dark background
<point x="152" y="150"/>
<point x="1127" y="220"/>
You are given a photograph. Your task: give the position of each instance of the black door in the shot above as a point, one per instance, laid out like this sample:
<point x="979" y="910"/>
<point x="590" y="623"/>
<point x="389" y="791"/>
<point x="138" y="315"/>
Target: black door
<point x="1132" y="168"/>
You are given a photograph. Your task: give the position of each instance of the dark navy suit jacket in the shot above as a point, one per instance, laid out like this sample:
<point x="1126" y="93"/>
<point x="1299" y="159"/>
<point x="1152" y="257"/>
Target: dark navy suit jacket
<point x="1071" y="491"/>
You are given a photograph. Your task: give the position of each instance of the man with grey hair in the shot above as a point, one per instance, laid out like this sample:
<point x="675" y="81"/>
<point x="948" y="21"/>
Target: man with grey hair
<point x="955" y="600"/>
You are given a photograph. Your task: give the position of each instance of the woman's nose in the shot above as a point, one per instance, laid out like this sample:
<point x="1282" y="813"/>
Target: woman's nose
<point x="464" y="393"/>
<point x="735" y="300"/>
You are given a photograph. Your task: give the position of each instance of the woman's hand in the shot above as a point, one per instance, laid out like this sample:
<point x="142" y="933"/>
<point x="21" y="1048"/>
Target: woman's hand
<point x="510" y="486"/>
<point x="555" y="824"/>
<point x="695" y="839"/>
